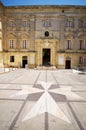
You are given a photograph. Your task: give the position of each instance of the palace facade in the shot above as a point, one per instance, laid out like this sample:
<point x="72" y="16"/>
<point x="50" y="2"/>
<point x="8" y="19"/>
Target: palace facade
<point x="43" y="36"/>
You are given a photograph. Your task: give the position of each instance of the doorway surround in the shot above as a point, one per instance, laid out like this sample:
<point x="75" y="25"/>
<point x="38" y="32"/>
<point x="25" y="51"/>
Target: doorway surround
<point x="47" y="44"/>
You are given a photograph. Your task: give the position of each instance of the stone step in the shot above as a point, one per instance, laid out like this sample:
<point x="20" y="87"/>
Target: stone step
<point x="46" y="67"/>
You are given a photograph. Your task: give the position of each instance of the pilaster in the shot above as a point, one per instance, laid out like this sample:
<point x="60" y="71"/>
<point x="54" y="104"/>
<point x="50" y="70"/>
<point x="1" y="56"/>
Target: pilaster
<point x="32" y="33"/>
<point x="1" y="35"/>
<point x="62" y="31"/>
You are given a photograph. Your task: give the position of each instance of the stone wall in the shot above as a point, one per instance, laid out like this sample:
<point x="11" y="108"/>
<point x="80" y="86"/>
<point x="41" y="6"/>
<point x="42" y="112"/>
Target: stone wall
<point x="27" y="30"/>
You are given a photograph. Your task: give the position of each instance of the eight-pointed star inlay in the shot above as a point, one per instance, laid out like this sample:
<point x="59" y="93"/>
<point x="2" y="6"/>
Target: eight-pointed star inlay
<point x="46" y="103"/>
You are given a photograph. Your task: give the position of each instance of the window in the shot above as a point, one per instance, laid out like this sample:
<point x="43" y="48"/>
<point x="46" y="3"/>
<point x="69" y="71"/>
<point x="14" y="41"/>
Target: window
<point x="81" y="24"/>
<point x="46" y="34"/>
<point x="24" y="44"/>
<point x="11" y="44"/>
<point x="46" y="23"/>
<point x="11" y="58"/>
<point x="69" y="23"/>
<point x="68" y="44"/>
<point x="25" y="23"/>
<point x="11" y="24"/>
<point x="81" y="60"/>
<point x="81" y="43"/>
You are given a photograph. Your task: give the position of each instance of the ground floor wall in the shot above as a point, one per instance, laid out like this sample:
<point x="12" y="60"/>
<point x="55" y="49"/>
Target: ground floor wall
<point x="70" y="60"/>
<point x="20" y="59"/>
<point x="32" y="59"/>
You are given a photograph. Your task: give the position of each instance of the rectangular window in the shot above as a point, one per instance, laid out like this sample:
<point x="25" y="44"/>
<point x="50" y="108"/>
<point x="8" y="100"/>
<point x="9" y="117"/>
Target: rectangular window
<point x="46" y="23"/>
<point x="81" y="24"/>
<point x="11" y="44"/>
<point x="81" y="43"/>
<point x="81" y="60"/>
<point x="24" y="44"/>
<point x="25" y="23"/>
<point x="68" y="44"/>
<point x="11" y="58"/>
<point x="11" y="24"/>
<point x="69" y="23"/>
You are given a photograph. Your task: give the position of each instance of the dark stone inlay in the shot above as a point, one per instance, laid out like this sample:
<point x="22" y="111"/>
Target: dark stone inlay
<point x="15" y="83"/>
<point x="37" y="78"/>
<point x="38" y="86"/>
<point x="10" y="89"/>
<point x="75" y="116"/>
<point x="55" y="79"/>
<point x="16" y="118"/>
<point x="76" y="101"/>
<point x="12" y="99"/>
<point x="79" y="91"/>
<point x="46" y="121"/>
<point x="54" y="86"/>
<point x="35" y="96"/>
<point x="58" y="97"/>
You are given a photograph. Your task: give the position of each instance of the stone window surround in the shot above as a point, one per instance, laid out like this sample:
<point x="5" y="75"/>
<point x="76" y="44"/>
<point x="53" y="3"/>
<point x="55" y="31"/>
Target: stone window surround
<point x="81" y="60"/>
<point x="82" y="44"/>
<point x="11" y="58"/>
<point x="11" y="43"/>
<point x="24" y="43"/>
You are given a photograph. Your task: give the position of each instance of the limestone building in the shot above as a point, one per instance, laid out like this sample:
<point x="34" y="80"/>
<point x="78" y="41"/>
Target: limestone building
<point x="43" y="35"/>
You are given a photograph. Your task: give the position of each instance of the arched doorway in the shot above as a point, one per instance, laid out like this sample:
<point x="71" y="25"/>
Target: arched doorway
<point x="24" y="61"/>
<point x="68" y="63"/>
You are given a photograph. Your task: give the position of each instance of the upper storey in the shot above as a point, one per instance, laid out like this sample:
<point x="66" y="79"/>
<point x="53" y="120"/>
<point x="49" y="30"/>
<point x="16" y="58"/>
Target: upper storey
<point x="56" y="10"/>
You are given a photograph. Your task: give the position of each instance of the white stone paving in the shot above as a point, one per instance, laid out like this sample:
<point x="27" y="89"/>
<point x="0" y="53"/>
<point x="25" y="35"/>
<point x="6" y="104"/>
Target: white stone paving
<point x="21" y="107"/>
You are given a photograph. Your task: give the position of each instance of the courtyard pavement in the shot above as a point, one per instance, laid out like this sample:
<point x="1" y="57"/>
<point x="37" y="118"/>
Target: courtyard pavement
<point x="42" y="100"/>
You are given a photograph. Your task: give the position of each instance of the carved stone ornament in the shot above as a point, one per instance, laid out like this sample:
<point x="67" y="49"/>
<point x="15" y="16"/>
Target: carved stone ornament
<point x="46" y="43"/>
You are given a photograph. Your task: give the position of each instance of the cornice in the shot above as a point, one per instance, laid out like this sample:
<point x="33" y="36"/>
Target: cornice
<point x="48" y="6"/>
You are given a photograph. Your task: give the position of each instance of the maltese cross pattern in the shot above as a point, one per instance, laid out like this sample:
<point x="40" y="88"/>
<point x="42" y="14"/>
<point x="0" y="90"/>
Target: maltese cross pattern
<point x="46" y="103"/>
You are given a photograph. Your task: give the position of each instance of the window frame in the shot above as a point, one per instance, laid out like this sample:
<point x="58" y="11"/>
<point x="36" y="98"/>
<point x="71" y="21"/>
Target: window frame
<point x="81" y="24"/>
<point x="69" y="42"/>
<point x="11" y="43"/>
<point x="81" y="60"/>
<point x="24" y="44"/>
<point x="81" y="44"/>
<point x="12" y="59"/>
<point x="46" y="23"/>
<point x="70" y="23"/>
<point x="11" y="23"/>
<point x="24" y="23"/>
